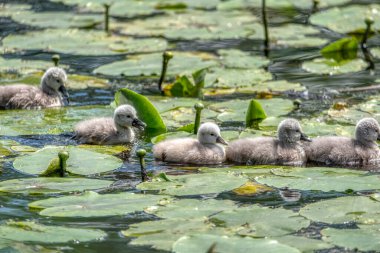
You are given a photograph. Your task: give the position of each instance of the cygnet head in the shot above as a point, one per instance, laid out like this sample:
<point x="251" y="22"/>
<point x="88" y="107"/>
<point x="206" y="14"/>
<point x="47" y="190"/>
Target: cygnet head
<point x="367" y="130"/>
<point x="53" y="81"/>
<point x="290" y="132"/>
<point x="209" y="133"/>
<point x="125" y="116"/>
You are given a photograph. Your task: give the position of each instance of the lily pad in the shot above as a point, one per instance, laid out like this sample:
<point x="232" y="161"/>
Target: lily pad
<point x="331" y="67"/>
<point x="92" y="204"/>
<point x="195" y="184"/>
<point x="253" y="221"/>
<point x="234" y="58"/>
<point x="191" y="208"/>
<point x="203" y="242"/>
<point x="304" y="244"/>
<point x="80" y="42"/>
<point x="348" y="19"/>
<point x="277" y="4"/>
<point x="51" y="185"/>
<point x="319" y="179"/>
<point x="341" y="210"/>
<point x="151" y="64"/>
<point x="29" y="231"/>
<point x="353" y="239"/>
<point x="22" y="67"/>
<point x="81" y="161"/>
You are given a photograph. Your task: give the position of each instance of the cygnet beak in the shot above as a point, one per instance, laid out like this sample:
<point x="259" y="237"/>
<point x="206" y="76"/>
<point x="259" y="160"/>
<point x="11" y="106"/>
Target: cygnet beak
<point x="138" y="124"/>
<point x="219" y="139"/>
<point x="304" y="137"/>
<point x="378" y="137"/>
<point x="65" y="94"/>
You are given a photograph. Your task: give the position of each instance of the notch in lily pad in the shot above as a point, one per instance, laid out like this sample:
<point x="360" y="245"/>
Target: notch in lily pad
<point x="166" y="57"/>
<point x="255" y="114"/>
<point x="198" y="111"/>
<point x="56" y="58"/>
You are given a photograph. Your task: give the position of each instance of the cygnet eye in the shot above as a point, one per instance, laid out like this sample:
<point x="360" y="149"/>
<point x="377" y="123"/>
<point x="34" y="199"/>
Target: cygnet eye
<point x="128" y="116"/>
<point x="58" y="81"/>
<point x="212" y="134"/>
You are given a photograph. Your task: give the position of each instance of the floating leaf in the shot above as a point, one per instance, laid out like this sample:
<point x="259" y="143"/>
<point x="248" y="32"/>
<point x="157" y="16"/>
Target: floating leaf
<point x="50" y="185"/>
<point x="319" y="179"/>
<point x="204" y="242"/>
<point x="195" y="184"/>
<point x="150" y="65"/>
<point x="234" y="58"/>
<point x="145" y="110"/>
<point x="253" y="221"/>
<point x="304" y="244"/>
<point x="342" y="210"/>
<point x="80" y="161"/>
<point x="343" y="49"/>
<point x="92" y="204"/>
<point x="251" y="188"/>
<point x="331" y="67"/>
<point x="29" y="231"/>
<point x="348" y="19"/>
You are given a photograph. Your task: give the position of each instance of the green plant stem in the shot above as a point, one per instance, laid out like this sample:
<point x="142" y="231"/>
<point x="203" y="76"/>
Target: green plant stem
<point x="315" y="6"/>
<point x="63" y="156"/>
<point x="265" y="24"/>
<point x="166" y="56"/>
<point x="198" y="110"/>
<point x="141" y="154"/>
<point x="368" y="57"/>
<point x="55" y="58"/>
<point x="106" y="17"/>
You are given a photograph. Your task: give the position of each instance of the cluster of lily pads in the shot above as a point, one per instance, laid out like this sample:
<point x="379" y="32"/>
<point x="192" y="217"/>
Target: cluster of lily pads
<point x="197" y="212"/>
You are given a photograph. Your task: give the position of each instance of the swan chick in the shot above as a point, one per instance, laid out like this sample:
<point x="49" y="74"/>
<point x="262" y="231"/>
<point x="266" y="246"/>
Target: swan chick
<point x="284" y="150"/>
<point x="110" y="131"/>
<point x="52" y="92"/>
<point x="203" y="150"/>
<point x="362" y="151"/>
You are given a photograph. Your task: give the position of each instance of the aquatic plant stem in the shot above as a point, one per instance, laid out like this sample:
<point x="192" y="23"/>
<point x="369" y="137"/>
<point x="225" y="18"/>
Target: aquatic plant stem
<point x="63" y="156"/>
<point x="198" y="111"/>
<point x="265" y="24"/>
<point x="106" y="17"/>
<point x="363" y="44"/>
<point x="141" y="154"/>
<point x="55" y="58"/>
<point x="166" y="56"/>
<point x="315" y="6"/>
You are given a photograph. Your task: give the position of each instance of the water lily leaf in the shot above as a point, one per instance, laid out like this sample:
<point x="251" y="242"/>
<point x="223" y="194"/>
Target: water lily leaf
<point x="6" y="10"/>
<point x="29" y="231"/>
<point x="65" y="20"/>
<point x="80" y="161"/>
<point x="331" y="67"/>
<point x="80" y="42"/>
<point x="343" y="49"/>
<point x="19" y="247"/>
<point x="191" y="208"/>
<point x="348" y="19"/>
<point x="203" y="242"/>
<point x="171" y="135"/>
<point x="151" y="64"/>
<point x="235" y="110"/>
<point x="277" y="4"/>
<point x="253" y="221"/>
<point x="145" y="110"/>
<point x="92" y="204"/>
<point x="249" y="171"/>
<point x="251" y="188"/>
<point x="181" y="4"/>
<point x="341" y="210"/>
<point x="195" y="184"/>
<point x="304" y="244"/>
<point x="22" y="67"/>
<point x="233" y="58"/>
<point x="236" y="78"/>
<point x="376" y="52"/>
<point x="50" y="185"/>
<point x="353" y="239"/>
<point x="195" y="25"/>
<point x="255" y="114"/>
<point x="161" y="234"/>
<point x="319" y="179"/>
<point x="187" y="86"/>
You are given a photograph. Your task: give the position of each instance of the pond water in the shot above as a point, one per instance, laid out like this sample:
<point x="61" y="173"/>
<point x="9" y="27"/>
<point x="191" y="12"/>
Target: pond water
<point x="216" y="28"/>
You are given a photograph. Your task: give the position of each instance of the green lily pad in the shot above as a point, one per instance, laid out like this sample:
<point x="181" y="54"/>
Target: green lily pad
<point x="22" y="67"/>
<point x="376" y="52"/>
<point x="277" y="4"/>
<point x="235" y="110"/>
<point x="29" y="231"/>
<point x="304" y="244"/>
<point x="118" y="8"/>
<point x="348" y="19"/>
<point x="151" y="64"/>
<point x="253" y="221"/>
<point x="319" y="179"/>
<point x="19" y="247"/>
<point x="171" y="135"/>
<point x="65" y="20"/>
<point x="195" y="25"/>
<point x="353" y="239"/>
<point x="81" y="161"/>
<point x="191" y="208"/>
<point x="203" y="242"/>
<point x="50" y="185"/>
<point x="92" y="204"/>
<point x="342" y="210"/>
<point x="331" y="67"/>
<point x="6" y="10"/>
<point x="145" y="110"/>
<point x="234" y="58"/>
<point x="181" y="4"/>
<point x="80" y="42"/>
<point x="195" y="184"/>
